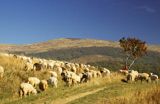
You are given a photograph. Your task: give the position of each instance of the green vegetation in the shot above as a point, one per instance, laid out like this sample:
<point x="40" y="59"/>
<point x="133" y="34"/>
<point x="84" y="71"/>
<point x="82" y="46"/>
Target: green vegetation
<point x="148" y="63"/>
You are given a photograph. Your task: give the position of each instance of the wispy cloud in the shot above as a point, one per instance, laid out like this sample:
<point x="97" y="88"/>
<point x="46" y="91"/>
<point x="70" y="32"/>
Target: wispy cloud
<point x="147" y="9"/>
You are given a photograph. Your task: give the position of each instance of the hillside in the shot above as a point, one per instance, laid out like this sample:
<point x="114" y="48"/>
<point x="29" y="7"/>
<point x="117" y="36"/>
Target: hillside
<point x="56" y="44"/>
<point x="102" y="90"/>
<point x="88" y="51"/>
<point x="63" y="43"/>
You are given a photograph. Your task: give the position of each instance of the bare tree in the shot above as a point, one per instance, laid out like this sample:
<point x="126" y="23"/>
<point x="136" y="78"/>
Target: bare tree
<point x="133" y="48"/>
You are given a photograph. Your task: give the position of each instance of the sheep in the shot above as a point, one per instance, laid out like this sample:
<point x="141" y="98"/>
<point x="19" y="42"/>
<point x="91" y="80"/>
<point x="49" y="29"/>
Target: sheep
<point x="29" y="60"/>
<point x="26" y="88"/>
<point x="143" y="76"/>
<point x="53" y="81"/>
<point x="154" y="77"/>
<point x="78" y="70"/>
<point x="99" y="74"/>
<point x="59" y="70"/>
<point x="37" y="66"/>
<point x="28" y="66"/>
<point x="1" y="71"/>
<point x="50" y="65"/>
<point x="73" y="69"/>
<point x="94" y="73"/>
<point x="58" y="64"/>
<point x="105" y="72"/>
<point x="70" y="78"/>
<point x="76" y="79"/>
<point x="132" y="75"/>
<point x="68" y="66"/>
<point x="45" y="64"/>
<point x="43" y="85"/>
<point x="124" y="72"/>
<point x="33" y="81"/>
<point x="86" y="69"/>
<point x="53" y="74"/>
<point x="87" y="76"/>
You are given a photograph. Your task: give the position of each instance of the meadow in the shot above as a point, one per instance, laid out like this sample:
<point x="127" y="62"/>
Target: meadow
<point x="107" y="90"/>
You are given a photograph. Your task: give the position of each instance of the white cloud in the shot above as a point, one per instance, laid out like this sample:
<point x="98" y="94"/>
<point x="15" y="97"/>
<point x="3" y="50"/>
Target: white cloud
<point x="147" y="9"/>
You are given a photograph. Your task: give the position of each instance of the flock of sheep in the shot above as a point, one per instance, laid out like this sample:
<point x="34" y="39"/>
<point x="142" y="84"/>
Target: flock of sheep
<point x="70" y="73"/>
<point x="133" y="76"/>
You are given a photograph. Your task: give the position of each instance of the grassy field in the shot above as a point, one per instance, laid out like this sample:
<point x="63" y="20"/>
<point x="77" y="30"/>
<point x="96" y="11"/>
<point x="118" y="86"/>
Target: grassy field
<point x="121" y="93"/>
<point x="98" y="91"/>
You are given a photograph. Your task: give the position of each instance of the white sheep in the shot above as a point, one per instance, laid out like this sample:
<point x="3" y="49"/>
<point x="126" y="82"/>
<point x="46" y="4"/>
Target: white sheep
<point x="143" y="76"/>
<point x="94" y="73"/>
<point x="53" y="74"/>
<point x="1" y="71"/>
<point x="26" y="88"/>
<point x="73" y="69"/>
<point x="99" y="74"/>
<point x="132" y="75"/>
<point x="53" y="81"/>
<point x="76" y="78"/>
<point x="124" y="72"/>
<point x="50" y="65"/>
<point x="43" y="85"/>
<point x="70" y="78"/>
<point x="105" y="72"/>
<point x="87" y="76"/>
<point x="154" y="77"/>
<point x="33" y="81"/>
<point x="28" y="66"/>
<point x="59" y="70"/>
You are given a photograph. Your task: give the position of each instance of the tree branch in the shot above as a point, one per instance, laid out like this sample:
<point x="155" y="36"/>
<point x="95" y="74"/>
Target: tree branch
<point x="132" y="63"/>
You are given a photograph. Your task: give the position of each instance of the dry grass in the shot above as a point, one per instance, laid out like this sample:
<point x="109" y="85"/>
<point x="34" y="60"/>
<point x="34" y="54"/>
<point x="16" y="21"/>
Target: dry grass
<point x="13" y="76"/>
<point x="148" y="96"/>
<point x="114" y="90"/>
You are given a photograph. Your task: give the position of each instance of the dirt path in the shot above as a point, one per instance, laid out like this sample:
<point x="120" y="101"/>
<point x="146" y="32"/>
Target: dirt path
<point x="72" y="98"/>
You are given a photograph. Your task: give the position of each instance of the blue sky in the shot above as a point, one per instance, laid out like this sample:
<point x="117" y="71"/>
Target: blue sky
<point x="29" y="21"/>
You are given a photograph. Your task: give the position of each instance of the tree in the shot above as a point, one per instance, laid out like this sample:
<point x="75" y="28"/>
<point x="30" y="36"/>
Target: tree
<point x="133" y="48"/>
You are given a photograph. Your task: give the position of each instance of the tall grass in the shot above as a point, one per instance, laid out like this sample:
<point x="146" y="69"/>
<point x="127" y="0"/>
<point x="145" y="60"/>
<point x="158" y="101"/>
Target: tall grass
<point x="149" y="96"/>
<point x="115" y="91"/>
<point x="14" y="74"/>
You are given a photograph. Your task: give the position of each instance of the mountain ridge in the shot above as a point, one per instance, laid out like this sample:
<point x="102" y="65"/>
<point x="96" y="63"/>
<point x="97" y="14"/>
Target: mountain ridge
<point x="62" y="43"/>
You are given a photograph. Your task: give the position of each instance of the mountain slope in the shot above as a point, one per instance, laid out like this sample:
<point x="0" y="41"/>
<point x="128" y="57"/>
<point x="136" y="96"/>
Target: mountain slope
<point x="57" y="44"/>
<point x="64" y="43"/>
<point x="96" y="52"/>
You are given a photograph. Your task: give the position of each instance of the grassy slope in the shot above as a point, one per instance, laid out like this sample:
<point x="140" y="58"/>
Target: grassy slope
<point x="14" y="75"/>
<point x="114" y="92"/>
<point x="121" y="93"/>
<point x="89" y="51"/>
<point x="109" y="57"/>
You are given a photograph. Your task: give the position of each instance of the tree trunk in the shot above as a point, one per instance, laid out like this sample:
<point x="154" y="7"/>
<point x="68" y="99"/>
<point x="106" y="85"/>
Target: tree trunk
<point x="127" y="58"/>
<point x="132" y="63"/>
<point x="127" y="61"/>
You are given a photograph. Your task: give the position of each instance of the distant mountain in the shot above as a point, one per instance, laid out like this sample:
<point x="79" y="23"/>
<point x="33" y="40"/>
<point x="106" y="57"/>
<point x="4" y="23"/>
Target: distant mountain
<point x="57" y="44"/>
<point x="64" y="43"/>
<point x="89" y="51"/>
